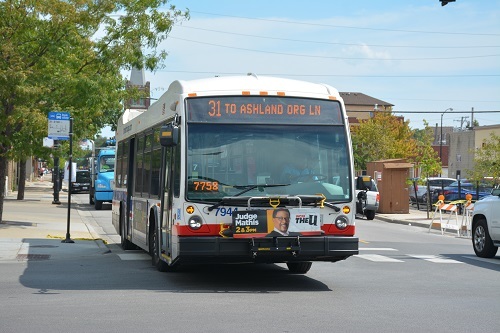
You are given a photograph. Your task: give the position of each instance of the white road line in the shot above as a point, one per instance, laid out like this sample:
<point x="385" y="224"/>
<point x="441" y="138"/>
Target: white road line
<point x="490" y="261"/>
<point x="435" y="259"/>
<point x="377" y="258"/>
<point x="377" y="249"/>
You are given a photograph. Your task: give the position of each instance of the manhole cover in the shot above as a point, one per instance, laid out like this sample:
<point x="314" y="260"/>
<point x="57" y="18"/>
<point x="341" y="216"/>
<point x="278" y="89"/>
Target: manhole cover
<point x="21" y="257"/>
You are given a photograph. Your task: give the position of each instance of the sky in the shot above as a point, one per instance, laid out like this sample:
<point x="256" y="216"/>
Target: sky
<point x="421" y="57"/>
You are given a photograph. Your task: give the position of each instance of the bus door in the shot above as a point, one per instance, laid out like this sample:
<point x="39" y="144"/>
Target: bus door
<point x="167" y="218"/>
<point x="130" y="185"/>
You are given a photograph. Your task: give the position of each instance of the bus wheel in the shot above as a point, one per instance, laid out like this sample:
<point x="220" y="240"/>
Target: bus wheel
<point x="154" y="249"/>
<point x="97" y="204"/>
<point x="299" y="267"/>
<point x="91" y="198"/>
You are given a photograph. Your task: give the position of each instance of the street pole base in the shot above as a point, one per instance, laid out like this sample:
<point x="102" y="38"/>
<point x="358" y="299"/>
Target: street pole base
<point x="67" y="240"/>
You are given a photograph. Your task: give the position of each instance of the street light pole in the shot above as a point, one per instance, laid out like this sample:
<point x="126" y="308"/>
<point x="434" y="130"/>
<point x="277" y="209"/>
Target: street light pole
<point x="441" y="138"/>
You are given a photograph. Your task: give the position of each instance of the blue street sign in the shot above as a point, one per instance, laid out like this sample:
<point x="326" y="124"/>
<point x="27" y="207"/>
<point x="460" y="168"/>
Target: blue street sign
<point x="59" y="125"/>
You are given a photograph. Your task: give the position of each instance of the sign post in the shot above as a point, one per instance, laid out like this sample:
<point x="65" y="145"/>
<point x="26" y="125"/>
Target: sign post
<point x="61" y="128"/>
<point x="70" y="185"/>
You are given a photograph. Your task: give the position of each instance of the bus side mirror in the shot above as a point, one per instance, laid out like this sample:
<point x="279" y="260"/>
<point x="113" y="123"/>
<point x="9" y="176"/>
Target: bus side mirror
<point x="169" y="135"/>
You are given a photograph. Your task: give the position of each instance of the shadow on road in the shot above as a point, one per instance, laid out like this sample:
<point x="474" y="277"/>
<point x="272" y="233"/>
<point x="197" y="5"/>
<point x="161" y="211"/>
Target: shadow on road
<point x="95" y="269"/>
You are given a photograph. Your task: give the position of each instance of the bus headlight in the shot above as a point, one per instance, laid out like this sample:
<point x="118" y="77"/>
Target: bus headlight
<point x="195" y="222"/>
<point x="341" y="222"/>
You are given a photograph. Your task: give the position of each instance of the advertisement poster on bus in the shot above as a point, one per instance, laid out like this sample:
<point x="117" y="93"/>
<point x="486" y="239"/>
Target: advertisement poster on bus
<point x="279" y="222"/>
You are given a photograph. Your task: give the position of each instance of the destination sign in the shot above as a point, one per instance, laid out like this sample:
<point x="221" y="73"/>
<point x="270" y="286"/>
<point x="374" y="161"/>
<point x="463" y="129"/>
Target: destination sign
<point x="263" y="109"/>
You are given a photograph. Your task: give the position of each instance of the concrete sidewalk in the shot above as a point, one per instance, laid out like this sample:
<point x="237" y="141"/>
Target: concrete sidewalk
<point x="34" y="228"/>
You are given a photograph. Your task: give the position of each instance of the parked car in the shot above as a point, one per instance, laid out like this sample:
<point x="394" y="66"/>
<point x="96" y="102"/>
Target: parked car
<point x="466" y="187"/>
<point x="485" y="225"/>
<point x="436" y="185"/>
<point x="368" y="197"/>
<point x="81" y="183"/>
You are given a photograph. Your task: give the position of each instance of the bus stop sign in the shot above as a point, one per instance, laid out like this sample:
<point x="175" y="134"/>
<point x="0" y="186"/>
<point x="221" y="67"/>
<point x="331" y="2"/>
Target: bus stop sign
<point x="59" y="125"/>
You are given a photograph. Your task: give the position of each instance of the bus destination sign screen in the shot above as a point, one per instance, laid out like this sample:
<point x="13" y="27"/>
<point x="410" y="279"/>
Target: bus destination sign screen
<point x="263" y="109"/>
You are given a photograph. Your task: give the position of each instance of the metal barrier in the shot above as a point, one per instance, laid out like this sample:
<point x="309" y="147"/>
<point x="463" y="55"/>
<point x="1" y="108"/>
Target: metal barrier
<point x="442" y="207"/>
<point x="466" y="209"/>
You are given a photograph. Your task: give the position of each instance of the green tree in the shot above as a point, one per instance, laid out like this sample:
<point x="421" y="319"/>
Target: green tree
<point x="426" y="159"/>
<point x="26" y="143"/>
<point x="487" y="161"/>
<point x="384" y="136"/>
<point x="67" y="55"/>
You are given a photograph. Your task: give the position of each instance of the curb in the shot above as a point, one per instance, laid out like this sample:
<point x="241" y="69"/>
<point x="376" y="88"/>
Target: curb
<point x="409" y="223"/>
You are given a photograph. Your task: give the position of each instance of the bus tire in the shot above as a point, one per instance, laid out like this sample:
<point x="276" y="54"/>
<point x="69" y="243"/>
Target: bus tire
<point x="91" y="197"/>
<point x="154" y="249"/>
<point x="299" y="267"/>
<point x="97" y="204"/>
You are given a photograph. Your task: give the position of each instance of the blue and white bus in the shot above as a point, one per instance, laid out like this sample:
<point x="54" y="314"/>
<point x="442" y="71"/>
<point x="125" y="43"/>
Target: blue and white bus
<point x="203" y="173"/>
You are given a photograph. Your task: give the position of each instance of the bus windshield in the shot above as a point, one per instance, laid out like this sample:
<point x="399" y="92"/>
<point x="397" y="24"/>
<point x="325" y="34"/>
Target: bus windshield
<point x="224" y="159"/>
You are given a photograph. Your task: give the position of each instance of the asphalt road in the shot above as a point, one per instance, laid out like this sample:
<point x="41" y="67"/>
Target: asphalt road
<point x="404" y="280"/>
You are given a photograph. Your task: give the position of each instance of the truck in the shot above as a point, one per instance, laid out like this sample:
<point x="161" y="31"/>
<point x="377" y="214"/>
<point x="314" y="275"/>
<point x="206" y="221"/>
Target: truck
<point x="368" y="197"/>
<point x="486" y="225"/>
<point x="102" y="170"/>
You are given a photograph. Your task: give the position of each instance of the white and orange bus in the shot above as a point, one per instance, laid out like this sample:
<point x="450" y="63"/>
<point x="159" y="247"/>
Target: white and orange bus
<point x="202" y="173"/>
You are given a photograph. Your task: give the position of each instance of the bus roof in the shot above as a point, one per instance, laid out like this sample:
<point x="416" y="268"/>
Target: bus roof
<point x="253" y="84"/>
<point x="133" y="121"/>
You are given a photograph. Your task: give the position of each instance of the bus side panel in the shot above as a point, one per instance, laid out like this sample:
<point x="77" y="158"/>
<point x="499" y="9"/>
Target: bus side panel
<point x="139" y="221"/>
<point x="119" y="197"/>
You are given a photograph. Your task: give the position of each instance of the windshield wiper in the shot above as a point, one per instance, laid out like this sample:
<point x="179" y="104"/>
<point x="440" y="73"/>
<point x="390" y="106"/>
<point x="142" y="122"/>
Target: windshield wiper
<point x="246" y="188"/>
<point x="331" y="205"/>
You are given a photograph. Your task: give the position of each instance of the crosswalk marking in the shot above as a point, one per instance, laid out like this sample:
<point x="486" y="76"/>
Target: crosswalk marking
<point x="376" y="249"/>
<point x="370" y="257"/>
<point x="434" y="258"/>
<point x="377" y="258"/>
<point x="488" y="260"/>
<point x="430" y="258"/>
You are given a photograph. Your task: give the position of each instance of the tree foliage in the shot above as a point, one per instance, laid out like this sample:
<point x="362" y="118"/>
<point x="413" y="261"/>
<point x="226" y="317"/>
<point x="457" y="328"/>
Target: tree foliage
<point x="67" y="55"/>
<point x="384" y="136"/>
<point x="487" y="161"/>
<point x="426" y="159"/>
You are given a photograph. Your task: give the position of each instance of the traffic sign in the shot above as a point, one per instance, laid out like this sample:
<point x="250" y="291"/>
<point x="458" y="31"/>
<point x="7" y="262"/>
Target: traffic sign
<point x="59" y="125"/>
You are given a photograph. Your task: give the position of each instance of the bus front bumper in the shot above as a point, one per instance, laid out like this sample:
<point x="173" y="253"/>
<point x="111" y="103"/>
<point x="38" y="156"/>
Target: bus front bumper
<point x="269" y="249"/>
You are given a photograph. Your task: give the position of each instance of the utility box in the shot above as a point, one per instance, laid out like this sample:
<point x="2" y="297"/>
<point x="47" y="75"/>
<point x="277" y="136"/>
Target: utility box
<point x="391" y="176"/>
